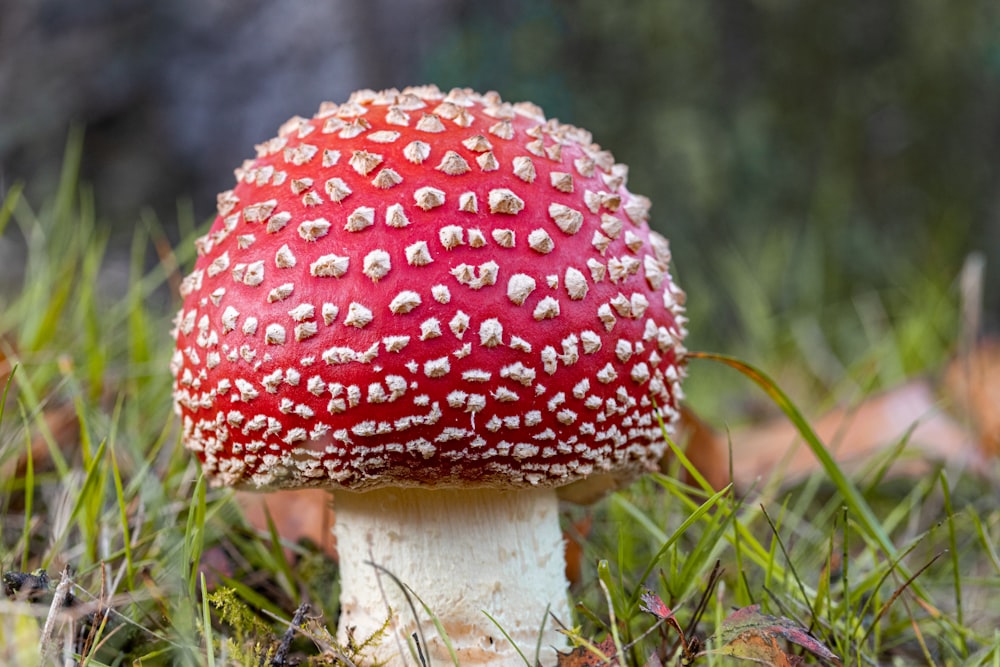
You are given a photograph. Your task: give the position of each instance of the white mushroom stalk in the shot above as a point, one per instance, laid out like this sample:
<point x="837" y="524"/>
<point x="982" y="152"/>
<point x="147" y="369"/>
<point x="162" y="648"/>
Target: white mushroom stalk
<point x="465" y="553"/>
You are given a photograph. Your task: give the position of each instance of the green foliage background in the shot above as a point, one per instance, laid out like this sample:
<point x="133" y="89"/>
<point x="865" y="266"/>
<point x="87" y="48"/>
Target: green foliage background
<point x="831" y="147"/>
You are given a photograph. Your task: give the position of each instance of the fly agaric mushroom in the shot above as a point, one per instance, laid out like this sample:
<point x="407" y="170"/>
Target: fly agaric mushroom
<point x="443" y="307"/>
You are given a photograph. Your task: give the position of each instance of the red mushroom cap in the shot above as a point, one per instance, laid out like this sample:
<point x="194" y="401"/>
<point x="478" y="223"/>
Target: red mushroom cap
<point x="420" y="289"/>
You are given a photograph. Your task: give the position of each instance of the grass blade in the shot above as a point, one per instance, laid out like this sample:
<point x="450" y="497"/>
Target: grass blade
<point x="852" y="497"/>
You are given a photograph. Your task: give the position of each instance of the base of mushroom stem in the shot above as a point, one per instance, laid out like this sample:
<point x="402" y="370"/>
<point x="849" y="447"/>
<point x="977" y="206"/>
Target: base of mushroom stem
<point x="459" y="553"/>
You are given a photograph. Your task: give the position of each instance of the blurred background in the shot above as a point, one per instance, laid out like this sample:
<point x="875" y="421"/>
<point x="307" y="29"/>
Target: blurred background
<point x="823" y="169"/>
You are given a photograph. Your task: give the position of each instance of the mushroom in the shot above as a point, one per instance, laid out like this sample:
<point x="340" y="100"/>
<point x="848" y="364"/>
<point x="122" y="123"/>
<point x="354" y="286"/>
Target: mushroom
<point x="443" y="307"/>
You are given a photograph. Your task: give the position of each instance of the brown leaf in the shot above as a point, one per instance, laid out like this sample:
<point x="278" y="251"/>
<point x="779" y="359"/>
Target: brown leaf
<point x="853" y="435"/>
<point x="750" y="635"/>
<point x="914" y="412"/>
<point x="59" y="419"/>
<point x="706" y="450"/>
<point x="301" y="514"/>
<point x="585" y="656"/>
<point x="972" y="386"/>
<point x="575" y="538"/>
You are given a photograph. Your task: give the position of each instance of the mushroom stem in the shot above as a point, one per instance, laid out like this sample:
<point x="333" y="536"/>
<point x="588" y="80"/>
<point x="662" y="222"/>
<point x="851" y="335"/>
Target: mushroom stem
<point x="463" y="552"/>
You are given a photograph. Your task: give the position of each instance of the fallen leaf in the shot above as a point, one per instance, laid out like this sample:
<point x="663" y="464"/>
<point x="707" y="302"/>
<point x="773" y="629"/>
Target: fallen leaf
<point x="853" y="435"/>
<point x="58" y="423"/>
<point x="704" y="448"/>
<point x="749" y="635"/>
<point x="972" y="387"/>
<point x="575" y="537"/>
<point x="600" y="655"/>
<point x="652" y="604"/>
<point x="299" y="514"/>
<point x="761" y="649"/>
<point x="585" y="656"/>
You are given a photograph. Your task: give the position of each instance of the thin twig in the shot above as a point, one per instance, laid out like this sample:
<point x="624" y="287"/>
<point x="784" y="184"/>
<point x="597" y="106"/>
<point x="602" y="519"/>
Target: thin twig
<point x="58" y="602"/>
<point x="281" y="655"/>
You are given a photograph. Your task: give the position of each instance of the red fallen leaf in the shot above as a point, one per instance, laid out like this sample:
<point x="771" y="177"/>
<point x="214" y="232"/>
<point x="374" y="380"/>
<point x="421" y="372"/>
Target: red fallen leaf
<point x="750" y="635"/>
<point x="651" y="603"/>
<point x="585" y="656"/>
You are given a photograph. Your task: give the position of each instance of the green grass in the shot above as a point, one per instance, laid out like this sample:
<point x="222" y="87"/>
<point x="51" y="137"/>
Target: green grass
<point x="165" y="571"/>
